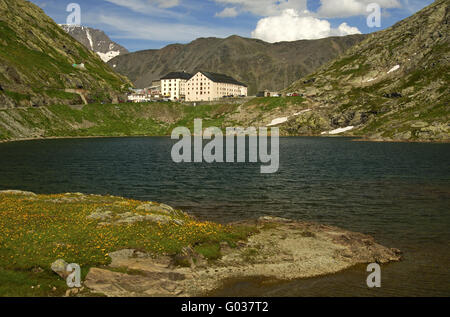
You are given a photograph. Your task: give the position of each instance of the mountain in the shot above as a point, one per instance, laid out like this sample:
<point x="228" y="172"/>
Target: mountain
<point x="37" y="62"/>
<point x="259" y="64"/>
<point x="95" y="40"/>
<point x="392" y="86"/>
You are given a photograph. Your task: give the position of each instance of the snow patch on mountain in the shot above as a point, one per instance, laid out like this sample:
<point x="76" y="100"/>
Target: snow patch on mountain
<point x="338" y="131"/>
<point x="106" y="57"/>
<point x="90" y="39"/>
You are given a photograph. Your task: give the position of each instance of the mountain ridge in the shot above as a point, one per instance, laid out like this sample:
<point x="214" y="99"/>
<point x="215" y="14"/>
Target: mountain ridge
<point x="259" y="64"/>
<point x="95" y="40"/>
<point x="392" y="86"/>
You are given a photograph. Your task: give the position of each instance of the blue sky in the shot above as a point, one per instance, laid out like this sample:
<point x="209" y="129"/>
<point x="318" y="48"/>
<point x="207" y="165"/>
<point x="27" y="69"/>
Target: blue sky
<point x="148" y="24"/>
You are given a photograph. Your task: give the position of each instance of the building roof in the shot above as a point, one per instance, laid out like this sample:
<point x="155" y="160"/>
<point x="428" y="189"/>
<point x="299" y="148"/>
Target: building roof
<point x="178" y="75"/>
<point x="223" y="79"/>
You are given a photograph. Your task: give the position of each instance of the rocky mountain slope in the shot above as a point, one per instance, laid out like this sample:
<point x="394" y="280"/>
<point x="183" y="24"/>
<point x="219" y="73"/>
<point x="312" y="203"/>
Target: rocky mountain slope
<point x="392" y="86"/>
<point x="37" y="58"/>
<point x="259" y="64"/>
<point x="95" y="40"/>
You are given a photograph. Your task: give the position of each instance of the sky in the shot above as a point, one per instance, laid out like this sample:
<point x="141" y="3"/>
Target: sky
<point x="153" y="24"/>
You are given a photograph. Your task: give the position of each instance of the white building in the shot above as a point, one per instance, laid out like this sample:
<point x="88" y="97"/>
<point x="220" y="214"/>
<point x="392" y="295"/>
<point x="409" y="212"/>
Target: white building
<point x="206" y="86"/>
<point x="173" y="85"/>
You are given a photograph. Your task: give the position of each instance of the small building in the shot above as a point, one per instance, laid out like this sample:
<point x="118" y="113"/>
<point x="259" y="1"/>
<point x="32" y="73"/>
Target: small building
<point x="153" y="90"/>
<point x="207" y="86"/>
<point x="267" y="93"/>
<point x="264" y="93"/>
<point x="173" y="85"/>
<point x="139" y="97"/>
<point x="79" y="66"/>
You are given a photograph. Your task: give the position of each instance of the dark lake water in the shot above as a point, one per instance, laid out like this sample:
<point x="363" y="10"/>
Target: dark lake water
<point x="397" y="192"/>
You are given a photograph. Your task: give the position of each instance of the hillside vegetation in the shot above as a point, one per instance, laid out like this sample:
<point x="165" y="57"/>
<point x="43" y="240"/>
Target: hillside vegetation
<point x="152" y="119"/>
<point x="392" y="86"/>
<point x="36" y="58"/>
<point x="85" y="229"/>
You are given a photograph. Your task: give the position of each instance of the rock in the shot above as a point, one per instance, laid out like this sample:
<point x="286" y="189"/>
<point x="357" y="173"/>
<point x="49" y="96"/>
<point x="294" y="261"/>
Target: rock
<point x="162" y="208"/>
<point x="225" y="248"/>
<point x="178" y="222"/>
<point x="188" y="257"/>
<point x="101" y="215"/>
<point x="60" y="268"/>
<point x="131" y="218"/>
<point x="119" y="256"/>
<point x="419" y="124"/>
<point x="185" y="258"/>
<point x="158" y="218"/>
<point x="126" y="215"/>
<point x="289" y="250"/>
<point x="114" y="284"/>
<point x="274" y="219"/>
<point x="17" y="192"/>
<point x="403" y="136"/>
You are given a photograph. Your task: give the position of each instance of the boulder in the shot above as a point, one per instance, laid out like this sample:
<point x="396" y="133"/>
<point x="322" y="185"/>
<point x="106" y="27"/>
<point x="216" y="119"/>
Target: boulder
<point x="101" y="215"/>
<point x="17" y="192"/>
<point x="403" y="136"/>
<point x="419" y="124"/>
<point x="60" y="268"/>
<point x="130" y="218"/>
<point x="162" y="208"/>
<point x="158" y="218"/>
<point x="114" y="284"/>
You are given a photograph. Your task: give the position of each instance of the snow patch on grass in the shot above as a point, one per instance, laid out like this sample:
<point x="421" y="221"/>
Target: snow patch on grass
<point x="338" y="131"/>
<point x="278" y="121"/>
<point x="393" y="69"/>
<point x="281" y="120"/>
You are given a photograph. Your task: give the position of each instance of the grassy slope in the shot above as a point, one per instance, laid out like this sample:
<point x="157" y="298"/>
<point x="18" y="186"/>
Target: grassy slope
<point x="37" y="230"/>
<point x="146" y="119"/>
<point x="36" y="58"/>
<point x="153" y="119"/>
<point x="357" y="89"/>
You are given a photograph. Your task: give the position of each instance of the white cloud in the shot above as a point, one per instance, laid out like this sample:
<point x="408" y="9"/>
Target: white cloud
<point x="149" y="29"/>
<point x="291" y="25"/>
<point x="348" y="8"/>
<point x="227" y="13"/>
<point x="345" y="29"/>
<point x="265" y="7"/>
<point x="153" y="7"/>
<point x="166" y="3"/>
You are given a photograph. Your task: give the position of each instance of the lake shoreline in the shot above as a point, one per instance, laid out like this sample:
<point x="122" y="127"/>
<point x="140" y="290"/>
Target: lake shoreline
<point x="354" y="138"/>
<point x="275" y="248"/>
<point x="282" y="250"/>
